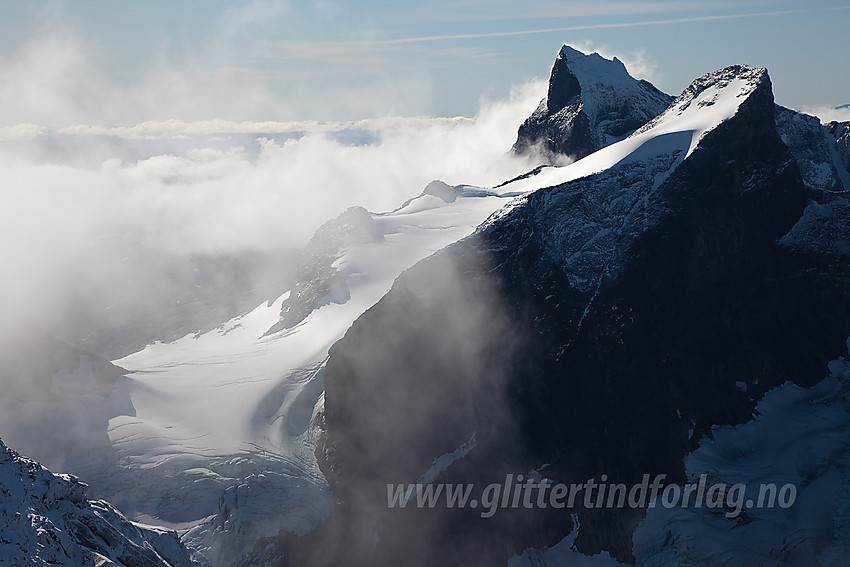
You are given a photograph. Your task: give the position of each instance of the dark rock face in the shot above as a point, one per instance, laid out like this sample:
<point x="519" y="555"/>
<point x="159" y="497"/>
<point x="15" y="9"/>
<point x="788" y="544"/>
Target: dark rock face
<point x="564" y="87"/>
<point x="493" y="337"/>
<point x="591" y="102"/>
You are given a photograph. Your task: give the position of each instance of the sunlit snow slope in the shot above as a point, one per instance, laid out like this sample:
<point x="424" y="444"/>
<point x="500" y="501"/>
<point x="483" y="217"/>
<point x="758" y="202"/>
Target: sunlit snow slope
<point x="234" y="389"/>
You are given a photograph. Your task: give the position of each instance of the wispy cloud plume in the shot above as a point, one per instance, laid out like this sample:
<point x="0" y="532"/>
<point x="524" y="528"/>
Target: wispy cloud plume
<point x="828" y="113"/>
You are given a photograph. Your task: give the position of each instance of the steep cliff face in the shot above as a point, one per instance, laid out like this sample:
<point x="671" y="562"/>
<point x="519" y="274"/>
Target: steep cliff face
<point x="591" y="103"/>
<point x="599" y="326"/>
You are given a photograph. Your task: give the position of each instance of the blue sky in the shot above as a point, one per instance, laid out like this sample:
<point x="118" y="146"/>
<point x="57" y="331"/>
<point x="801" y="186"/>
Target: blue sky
<point x="107" y="61"/>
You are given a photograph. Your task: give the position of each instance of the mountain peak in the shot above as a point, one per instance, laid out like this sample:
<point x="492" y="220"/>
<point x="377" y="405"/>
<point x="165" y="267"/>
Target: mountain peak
<point x="713" y="98"/>
<point x="591" y="102"/>
<point x="593" y="66"/>
<point x="748" y="77"/>
<point x="572" y="69"/>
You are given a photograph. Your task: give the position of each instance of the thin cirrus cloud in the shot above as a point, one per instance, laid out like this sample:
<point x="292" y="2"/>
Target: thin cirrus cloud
<point x="321" y="50"/>
<point x="490" y="10"/>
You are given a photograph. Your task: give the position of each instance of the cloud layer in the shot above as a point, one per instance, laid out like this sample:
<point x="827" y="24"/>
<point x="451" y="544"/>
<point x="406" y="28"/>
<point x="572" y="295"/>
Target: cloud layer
<point x="95" y="215"/>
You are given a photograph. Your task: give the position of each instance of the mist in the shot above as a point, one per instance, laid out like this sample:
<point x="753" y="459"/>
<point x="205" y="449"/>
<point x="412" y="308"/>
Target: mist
<point x="150" y="209"/>
<point x="157" y="207"/>
<point x="115" y="236"/>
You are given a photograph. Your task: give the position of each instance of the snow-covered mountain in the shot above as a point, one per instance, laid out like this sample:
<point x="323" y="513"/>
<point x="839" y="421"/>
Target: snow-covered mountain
<point x="606" y="316"/>
<point x="821" y="151"/>
<point x="591" y="103"/>
<point x="47" y="519"/>
<point x="610" y="322"/>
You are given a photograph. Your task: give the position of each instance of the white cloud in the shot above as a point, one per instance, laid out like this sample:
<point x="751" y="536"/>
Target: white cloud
<point x="106" y="229"/>
<point x="827" y="113"/>
<point x="166" y="129"/>
<point x="59" y="78"/>
<point x="21" y="132"/>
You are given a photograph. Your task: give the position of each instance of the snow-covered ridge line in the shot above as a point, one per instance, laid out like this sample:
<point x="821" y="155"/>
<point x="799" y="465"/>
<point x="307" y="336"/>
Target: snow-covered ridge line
<point x="708" y="90"/>
<point x="705" y="104"/>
